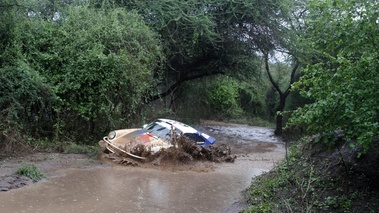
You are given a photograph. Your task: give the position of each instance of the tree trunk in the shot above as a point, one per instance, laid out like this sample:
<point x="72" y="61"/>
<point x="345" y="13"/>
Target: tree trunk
<point x="279" y="125"/>
<point x="283" y="95"/>
<point x="279" y="116"/>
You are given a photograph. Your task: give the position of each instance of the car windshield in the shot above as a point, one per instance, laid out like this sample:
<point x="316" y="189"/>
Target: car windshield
<point x="158" y="130"/>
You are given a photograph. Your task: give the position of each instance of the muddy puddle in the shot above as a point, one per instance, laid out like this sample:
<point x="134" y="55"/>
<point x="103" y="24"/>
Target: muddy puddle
<point x="201" y="187"/>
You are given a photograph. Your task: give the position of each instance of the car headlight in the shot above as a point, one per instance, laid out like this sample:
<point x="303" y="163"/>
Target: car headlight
<point x="112" y="135"/>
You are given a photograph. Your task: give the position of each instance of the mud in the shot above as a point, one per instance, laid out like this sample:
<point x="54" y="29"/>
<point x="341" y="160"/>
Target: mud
<point x="14" y="181"/>
<point x="49" y="164"/>
<point x="184" y="152"/>
<point x="162" y="185"/>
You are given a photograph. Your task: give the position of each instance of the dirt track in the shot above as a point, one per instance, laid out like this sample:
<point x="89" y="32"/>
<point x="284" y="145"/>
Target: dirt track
<point x="254" y="147"/>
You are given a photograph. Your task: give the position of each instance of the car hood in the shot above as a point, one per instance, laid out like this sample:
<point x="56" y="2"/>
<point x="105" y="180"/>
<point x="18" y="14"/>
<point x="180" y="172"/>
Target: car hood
<point x="128" y="139"/>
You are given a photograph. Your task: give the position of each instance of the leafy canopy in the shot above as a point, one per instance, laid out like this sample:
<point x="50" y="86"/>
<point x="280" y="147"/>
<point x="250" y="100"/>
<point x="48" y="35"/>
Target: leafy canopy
<point x="344" y="80"/>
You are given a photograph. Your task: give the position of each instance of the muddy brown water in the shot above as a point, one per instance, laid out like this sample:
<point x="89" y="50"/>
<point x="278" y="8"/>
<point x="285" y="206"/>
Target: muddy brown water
<point x="211" y="187"/>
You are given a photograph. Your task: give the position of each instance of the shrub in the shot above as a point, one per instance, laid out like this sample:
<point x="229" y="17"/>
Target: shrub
<point x="223" y="97"/>
<point x="31" y="171"/>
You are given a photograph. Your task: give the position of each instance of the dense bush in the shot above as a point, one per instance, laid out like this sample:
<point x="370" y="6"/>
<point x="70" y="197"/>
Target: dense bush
<point x="24" y="96"/>
<point x="223" y="97"/>
<point x="344" y="75"/>
<point x="94" y="65"/>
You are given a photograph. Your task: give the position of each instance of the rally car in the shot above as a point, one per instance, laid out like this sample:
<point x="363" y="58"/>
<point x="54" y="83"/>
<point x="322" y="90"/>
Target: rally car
<point x="153" y="137"/>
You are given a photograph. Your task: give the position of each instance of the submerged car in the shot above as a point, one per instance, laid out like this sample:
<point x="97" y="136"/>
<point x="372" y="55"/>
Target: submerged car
<point x="153" y="137"/>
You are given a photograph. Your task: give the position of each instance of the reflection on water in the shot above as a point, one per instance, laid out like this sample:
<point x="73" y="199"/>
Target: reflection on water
<point x="247" y="133"/>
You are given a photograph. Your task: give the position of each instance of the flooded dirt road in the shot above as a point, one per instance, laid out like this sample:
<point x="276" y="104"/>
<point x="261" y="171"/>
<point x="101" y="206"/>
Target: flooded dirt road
<point x="203" y="187"/>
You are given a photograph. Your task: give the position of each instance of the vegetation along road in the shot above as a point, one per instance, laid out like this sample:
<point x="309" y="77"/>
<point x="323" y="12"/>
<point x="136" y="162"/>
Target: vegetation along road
<point x="71" y="71"/>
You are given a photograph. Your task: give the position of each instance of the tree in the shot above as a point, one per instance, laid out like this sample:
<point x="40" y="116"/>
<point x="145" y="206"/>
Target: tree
<point x="99" y="63"/>
<point x="273" y="34"/>
<point x="283" y="94"/>
<point x="193" y="47"/>
<point x="343" y="77"/>
<point x="207" y="37"/>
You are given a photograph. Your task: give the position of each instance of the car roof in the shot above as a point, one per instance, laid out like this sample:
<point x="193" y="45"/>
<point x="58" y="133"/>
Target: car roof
<point x="184" y="128"/>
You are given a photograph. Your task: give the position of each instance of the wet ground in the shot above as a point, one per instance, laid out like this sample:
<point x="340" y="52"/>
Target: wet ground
<point x="75" y="183"/>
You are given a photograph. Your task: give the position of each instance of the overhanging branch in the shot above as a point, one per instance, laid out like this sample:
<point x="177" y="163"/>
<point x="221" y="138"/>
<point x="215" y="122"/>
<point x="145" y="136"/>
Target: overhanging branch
<point x="267" y="67"/>
<point x="177" y="84"/>
<point x="292" y="79"/>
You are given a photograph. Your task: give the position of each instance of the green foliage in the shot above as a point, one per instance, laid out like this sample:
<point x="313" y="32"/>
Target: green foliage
<point x="189" y="34"/>
<point x="24" y="96"/>
<point x="74" y="148"/>
<point x="31" y="171"/>
<point x="310" y="181"/>
<point x="281" y="73"/>
<point x="167" y="16"/>
<point x="263" y="194"/>
<point x="203" y="38"/>
<point x="251" y="98"/>
<point x="89" y="66"/>
<point x="343" y="81"/>
<point x="100" y="64"/>
<point x="223" y="96"/>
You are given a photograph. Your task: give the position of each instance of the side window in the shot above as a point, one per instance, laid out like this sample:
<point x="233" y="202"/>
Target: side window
<point x="194" y="137"/>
